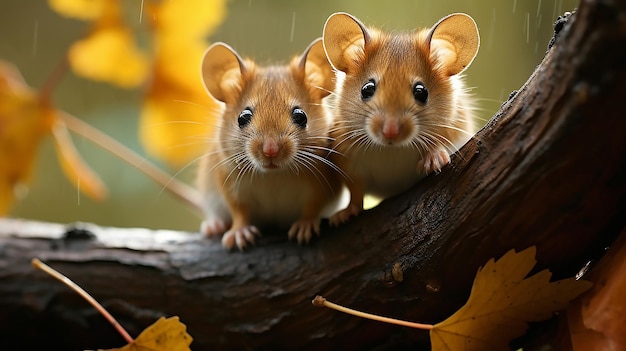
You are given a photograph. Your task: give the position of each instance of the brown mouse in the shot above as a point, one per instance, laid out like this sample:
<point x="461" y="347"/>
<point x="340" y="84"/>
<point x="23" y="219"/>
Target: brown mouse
<point x="267" y="163"/>
<point x="400" y="106"/>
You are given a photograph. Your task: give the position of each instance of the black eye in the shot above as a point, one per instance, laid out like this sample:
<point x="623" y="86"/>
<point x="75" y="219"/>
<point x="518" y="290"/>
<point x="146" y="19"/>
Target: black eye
<point x="420" y="93"/>
<point x="245" y="117"/>
<point x="299" y="117"/>
<point x="368" y="90"/>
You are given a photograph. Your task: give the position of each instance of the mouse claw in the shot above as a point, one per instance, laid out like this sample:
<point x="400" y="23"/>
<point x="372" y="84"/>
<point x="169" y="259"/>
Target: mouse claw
<point x="433" y="161"/>
<point x="303" y="230"/>
<point x="342" y="216"/>
<point x="213" y="227"/>
<point x="240" y="237"/>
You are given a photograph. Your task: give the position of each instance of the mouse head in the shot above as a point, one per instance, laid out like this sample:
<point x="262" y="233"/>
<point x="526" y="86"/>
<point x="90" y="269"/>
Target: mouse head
<point x="274" y="118"/>
<point x="399" y="87"/>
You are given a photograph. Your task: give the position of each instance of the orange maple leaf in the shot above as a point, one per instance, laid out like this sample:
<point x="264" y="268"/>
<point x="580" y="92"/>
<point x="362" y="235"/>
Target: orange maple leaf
<point x="166" y="334"/>
<point x="501" y="303"/>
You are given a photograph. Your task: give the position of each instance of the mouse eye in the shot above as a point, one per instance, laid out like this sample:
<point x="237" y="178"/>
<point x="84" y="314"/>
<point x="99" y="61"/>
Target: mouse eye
<point x="245" y="117"/>
<point x="368" y="89"/>
<point x="299" y="117"/>
<point x="420" y="93"/>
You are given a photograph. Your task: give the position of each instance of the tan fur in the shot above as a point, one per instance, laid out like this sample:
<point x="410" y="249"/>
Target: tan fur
<point x="245" y="187"/>
<point x="387" y="143"/>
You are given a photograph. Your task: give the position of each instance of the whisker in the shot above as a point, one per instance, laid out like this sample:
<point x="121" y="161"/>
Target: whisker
<point x="308" y="161"/>
<point x="327" y="162"/>
<point x="450" y="127"/>
<point x="208" y="108"/>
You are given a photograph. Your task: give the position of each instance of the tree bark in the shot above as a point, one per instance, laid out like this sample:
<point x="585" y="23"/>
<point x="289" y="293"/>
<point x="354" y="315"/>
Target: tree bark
<point x="549" y="169"/>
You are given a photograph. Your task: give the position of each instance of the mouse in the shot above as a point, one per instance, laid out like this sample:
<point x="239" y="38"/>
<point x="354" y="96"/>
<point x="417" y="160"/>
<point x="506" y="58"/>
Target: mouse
<point x="400" y="106"/>
<point x="267" y="163"/>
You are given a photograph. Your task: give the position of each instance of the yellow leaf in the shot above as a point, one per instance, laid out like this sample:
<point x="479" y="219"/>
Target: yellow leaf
<point x="109" y="54"/>
<point x="73" y="165"/>
<point x="189" y="18"/>
<point x="166" y="334"/>
<point x="181" y="27"/>
<point x="178" y="63"/>
<point x="502" y="302"/>
<point x="80" y="9"/>
<point x="23" y="124"/>
<point x="176" y="127"/>
<point x="178" y="117"/>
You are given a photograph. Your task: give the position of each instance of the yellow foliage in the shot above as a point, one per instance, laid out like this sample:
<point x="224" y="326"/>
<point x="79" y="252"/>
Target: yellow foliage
<point x="72" y="164"/>
<point x="24" y="122"/>
<point x="177" y="63"/>
<point x="176" y="129"/>
<point x="189" y="18"/>
<point x="178" y="115"/>
<point x="501" y="303"/>
<point x="80" y="9"/>
<point x="109" y="52"/>
<point x="110" y="55"/>
<point x="166" y="334"/>
<point x="177" y="112"/>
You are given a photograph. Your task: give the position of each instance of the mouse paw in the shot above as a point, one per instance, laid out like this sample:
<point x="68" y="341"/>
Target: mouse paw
<point x="345" y="214"/>
<point x="303" y="230"/>
<point x="433" y="161"/>
<point x="240" y="237"/>
<point x="214" y="227"/>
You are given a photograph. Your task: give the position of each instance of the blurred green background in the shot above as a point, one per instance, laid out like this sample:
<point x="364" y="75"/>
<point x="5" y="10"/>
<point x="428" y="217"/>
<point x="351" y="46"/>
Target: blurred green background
<point x="514" y="36"/>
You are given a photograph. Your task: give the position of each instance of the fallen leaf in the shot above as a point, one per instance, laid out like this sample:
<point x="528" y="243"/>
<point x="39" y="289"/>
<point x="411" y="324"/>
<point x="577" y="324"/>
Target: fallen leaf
<point x="166" y="334"/>
<point x="501" y="303"/>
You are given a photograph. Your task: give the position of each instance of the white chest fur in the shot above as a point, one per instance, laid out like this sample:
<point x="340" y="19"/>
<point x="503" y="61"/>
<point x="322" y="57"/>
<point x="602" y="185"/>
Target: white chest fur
<point x="274" y="198"/>
<point x="386" y="171"/>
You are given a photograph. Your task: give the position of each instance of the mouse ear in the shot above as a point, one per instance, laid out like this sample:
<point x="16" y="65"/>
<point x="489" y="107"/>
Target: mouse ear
<point x="345" y="39"/>
<point x="222" y="72"/>
<point x="318" y="73"/>
<point x="454" y="41"/>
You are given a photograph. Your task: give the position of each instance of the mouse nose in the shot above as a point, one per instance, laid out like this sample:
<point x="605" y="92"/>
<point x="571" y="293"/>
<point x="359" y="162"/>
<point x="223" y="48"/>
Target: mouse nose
<point x="391" y="128"/>
<point x="270" y="148"/>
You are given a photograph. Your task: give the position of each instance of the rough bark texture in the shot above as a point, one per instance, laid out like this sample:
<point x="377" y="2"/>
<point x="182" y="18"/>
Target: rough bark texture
<point x="548" y="170"/>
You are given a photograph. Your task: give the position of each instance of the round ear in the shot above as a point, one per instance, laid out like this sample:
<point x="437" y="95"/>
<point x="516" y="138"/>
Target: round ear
<point x="344" y="38"/>
<point x="222" y="71"/>
<point x="317" y="70"/>
<point x="454" y="41"/>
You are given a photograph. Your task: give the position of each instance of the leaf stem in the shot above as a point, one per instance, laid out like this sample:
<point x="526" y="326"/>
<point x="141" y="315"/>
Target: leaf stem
<point x="177" y="188"/>
<point x="53" y="80"/>
<point x="65" y="280"/>
<point x="320" y="301"/>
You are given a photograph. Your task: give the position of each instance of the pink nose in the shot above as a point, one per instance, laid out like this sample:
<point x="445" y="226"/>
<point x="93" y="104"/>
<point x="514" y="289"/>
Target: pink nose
<point x="270" y="148"/>
<point x="391" y="129"/>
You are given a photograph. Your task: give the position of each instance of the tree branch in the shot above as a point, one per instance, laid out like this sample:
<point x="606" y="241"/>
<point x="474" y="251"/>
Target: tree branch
<point x="548" y="169"/>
